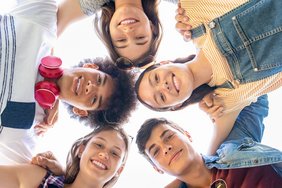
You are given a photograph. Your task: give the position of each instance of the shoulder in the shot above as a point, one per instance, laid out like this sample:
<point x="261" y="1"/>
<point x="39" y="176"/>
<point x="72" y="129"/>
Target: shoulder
<point x="90" y="7"/>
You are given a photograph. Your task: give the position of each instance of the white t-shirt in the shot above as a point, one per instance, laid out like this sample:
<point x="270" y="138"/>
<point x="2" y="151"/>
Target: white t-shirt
<point x="27" y="34"/>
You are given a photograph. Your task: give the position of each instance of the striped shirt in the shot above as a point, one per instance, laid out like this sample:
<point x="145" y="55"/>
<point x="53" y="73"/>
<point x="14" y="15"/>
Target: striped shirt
<point x="202" y="12"/>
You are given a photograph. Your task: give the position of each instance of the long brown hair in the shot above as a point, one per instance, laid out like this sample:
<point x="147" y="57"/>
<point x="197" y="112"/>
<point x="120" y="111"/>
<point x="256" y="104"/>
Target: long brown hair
<point x="73" y="160"/>
<point x="195" y="97"/>
<point x="102" y="28"/>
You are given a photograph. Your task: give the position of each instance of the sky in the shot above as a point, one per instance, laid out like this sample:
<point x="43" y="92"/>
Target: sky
<point x="79" y="41"/>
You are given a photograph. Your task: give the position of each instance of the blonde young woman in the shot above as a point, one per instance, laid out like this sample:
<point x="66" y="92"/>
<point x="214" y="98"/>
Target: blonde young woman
<point x="95" y="160"/>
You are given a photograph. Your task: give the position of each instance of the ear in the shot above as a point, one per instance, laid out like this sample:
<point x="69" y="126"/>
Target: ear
<point x="187" y="134"/>
<point x="80" y="150"/>
<point x="120" y="170"/>
<point x="176" y="107"/>
<point x="158" y="170"/>
<point x="91" y="65"/>
<point x="79" y="112"/>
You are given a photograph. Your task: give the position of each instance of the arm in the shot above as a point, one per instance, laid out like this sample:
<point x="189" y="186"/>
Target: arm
<point x="48" y="161"/>
<point x="182" y="23"/>
<point x="24" y="176"/>
<point x="247" y="122"/>
<point x="69" y="11"/>
<point x="223" y="123"/>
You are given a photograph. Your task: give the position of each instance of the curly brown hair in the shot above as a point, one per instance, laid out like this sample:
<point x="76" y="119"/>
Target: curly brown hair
<point x="122" y="102"/>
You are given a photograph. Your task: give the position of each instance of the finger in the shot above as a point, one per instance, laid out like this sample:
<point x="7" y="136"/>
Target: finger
<point x="182" y="27"/>
<point x="52" y="114"/>
<point x="208" y="100"/>
<point x="215" y="112"/>
<point x="41" y="130"/>
<point x="187" y="36"/>
<point x="180" y="10"/>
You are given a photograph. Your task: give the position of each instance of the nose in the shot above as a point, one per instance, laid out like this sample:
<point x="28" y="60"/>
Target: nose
<point x="167" y="149"/>
<point x="165" y="85"/>
<point x="127" y="29"/>
<point x="90" y="87"/>
<point x="104" y="155"/>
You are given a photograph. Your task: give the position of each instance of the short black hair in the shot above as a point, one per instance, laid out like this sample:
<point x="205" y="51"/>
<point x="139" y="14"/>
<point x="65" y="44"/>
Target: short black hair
<point x="145" y="131"/>
<point x="122" y="102"/>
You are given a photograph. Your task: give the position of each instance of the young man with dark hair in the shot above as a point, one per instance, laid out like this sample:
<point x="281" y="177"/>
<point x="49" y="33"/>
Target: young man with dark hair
<point x="240" y="161"/>
<point x="32" y="82"/>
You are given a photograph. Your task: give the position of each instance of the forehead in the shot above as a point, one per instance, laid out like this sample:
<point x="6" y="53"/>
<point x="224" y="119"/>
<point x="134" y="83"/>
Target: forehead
<point x="156" y="134"/>
<point x="111" y="137"/>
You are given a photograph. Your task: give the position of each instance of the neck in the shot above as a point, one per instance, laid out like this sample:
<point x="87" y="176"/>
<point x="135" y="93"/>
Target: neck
<point x="198" y="175"/>
<point x="80" y="181"/>
<point x="136" y="3"/>
<point x="201" y="70"/>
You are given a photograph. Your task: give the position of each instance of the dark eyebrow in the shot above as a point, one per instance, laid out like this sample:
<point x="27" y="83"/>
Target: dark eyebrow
<point x="121" y="46"/>
<point x="105" y="80"/>
<point x="106" y="141"/>
<point x="151" y="84"/>
<point x="139" y="44"/>
<point x="153" y="145"/>
<point x="142" y="43"/>
<point x="100" y="102"/>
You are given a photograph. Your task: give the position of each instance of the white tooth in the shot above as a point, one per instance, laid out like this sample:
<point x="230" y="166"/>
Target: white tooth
<point x="128" y="21"/>
<point x="99" y="164"/>
<point x="176" y="84"/>
<point x="78" y="85"/>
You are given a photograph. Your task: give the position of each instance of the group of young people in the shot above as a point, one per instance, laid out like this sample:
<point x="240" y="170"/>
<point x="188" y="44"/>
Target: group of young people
<point x="237" y="63"/>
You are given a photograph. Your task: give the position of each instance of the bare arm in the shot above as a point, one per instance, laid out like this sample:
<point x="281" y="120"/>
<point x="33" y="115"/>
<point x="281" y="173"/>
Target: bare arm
<point x="223" y="123"/>
<point x="69" y="12"/>
<point x="24" y="176"/>
<point x="222" y="128"/>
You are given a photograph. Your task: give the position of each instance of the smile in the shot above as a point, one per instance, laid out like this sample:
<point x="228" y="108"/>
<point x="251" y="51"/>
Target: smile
<point x="99" y="165"/>
<point x="176" y="83"/>
<point x="128" y="21"/>
<point x="77" y="85"/>
<point x="175" y="156"/>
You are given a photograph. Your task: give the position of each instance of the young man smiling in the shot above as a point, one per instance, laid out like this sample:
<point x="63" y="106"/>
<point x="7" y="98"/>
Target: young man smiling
<point x="240" y="161"/>
<point x="94" y="90"/>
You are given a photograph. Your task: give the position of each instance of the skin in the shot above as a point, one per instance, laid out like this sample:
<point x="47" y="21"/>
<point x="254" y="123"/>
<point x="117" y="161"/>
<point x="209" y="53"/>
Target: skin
<point x="130" y="29"/>
<point x="101" y="159"/>
<point x="107" y="147"/>
<point x="86" y="88"/>
<point x="166" y="86"/>
<point x="172" y="153"/>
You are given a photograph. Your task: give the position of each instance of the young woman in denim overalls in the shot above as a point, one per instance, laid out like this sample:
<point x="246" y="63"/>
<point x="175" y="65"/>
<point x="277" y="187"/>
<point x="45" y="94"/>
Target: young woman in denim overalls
<point x="239" y="52"/>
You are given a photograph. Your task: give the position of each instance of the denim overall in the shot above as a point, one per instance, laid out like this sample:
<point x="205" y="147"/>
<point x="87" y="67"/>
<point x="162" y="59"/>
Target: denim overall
<point x="250" y="37"/>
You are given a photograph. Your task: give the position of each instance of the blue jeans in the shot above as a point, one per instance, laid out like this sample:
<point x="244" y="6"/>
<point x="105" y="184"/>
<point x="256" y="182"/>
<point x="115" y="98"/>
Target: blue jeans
<point x="250" y="37"/>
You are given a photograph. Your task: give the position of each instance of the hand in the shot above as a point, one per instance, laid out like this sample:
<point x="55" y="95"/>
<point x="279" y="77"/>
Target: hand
<point x="182" y="23"/>
<point x="49" y="120"/>
<point x="207" y="104"/>
<point x="48" y="161"/>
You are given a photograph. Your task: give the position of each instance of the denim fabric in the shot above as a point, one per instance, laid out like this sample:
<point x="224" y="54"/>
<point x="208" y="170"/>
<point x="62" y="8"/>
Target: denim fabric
<point x="242" y="149"/>
<point x="250" y="37"/>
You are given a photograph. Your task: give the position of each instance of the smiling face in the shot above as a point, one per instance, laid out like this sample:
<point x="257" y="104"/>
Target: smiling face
<point x="86" y="88"/>
<point x="102" y="156"/>
<point x="130" y="31"/>
<point x="169" y="150"/>
<point x="166" y="86"/>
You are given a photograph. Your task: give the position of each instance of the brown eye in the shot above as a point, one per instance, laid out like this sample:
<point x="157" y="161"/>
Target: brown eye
<point x="162" y="97"/>
<point x="94" y="100"/>
<point x="157" y="78"/>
